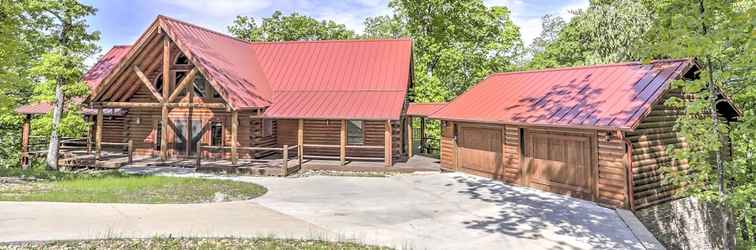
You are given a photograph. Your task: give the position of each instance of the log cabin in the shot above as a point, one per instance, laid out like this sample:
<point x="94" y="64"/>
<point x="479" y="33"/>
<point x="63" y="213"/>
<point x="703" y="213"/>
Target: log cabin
<point x="599" y="133"/>
<point x="186" y="88"/>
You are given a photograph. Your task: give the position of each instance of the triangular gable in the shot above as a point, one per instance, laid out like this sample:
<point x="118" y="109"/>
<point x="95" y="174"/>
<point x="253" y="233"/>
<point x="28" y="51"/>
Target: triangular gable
<point x="227" y="63"/>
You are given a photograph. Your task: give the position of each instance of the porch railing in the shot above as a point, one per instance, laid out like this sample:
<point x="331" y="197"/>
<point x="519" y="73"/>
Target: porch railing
<point x="284" y="150"/>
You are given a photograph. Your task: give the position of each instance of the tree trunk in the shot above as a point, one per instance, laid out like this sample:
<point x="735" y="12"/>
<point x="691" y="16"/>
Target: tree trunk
<point x="52" y="149"/>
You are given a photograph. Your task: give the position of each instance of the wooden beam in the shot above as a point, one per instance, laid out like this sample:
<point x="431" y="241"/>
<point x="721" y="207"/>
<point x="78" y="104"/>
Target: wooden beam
<point x="234" y="135"/>
<point x="166" y="67"/>
<point x="300" y="140"/>
<point x="285" y="158"/>
<point x="158" y="105"/>
<point x="409" y="137"/>
<point x="25" y="133"/>
<point x="164" y="133"/>
<point x="147" y="83"/>
<point x="342" y="142"/>
<point x="188" y="80"/>
<point x="98" y="135"/>
<point x="422" y="135"/>
<point x="387" y="146"/>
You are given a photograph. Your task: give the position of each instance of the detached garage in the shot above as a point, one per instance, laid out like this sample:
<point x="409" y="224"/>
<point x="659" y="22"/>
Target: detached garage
<point x="598" y="133"/>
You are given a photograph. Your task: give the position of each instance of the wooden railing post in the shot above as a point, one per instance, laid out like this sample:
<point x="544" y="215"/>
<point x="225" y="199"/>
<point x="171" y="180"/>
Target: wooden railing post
<point x="300" y="141"/>
<point x="25" y="133"/>
<point x="98" y="136"/>
<point x="285" y="165"/>
<point x="131" y="151"/>
<point x="387" y="146"/>
<point x="198" y="162"/>
<point x="342" y="143"/>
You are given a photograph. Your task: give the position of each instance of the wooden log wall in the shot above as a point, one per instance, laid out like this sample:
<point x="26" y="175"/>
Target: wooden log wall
<point x="448" y="146"/>
<point x="612" y="170"/>
<point x="326" y="132"/>
<point x="649" y="155"/>
<point x="114" y="129"/>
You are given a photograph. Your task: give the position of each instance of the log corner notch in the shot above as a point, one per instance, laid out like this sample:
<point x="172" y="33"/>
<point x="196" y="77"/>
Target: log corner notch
<point x="342" y="143"/>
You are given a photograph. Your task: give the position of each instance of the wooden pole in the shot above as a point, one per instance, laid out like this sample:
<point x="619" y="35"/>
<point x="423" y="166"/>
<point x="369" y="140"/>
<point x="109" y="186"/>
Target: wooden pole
<point x="285" y="165"/>
<point x="131" y="151"/>
<point x="98" y="135"/>
<point x="25" y="133"/>
<point x="422" y="135"/>
<point x="300" y="141"/>
<point x="342" y="143"/>
<point x="387" y="146"/>
<point x="409" y="136"/>
<point x="234" y="135"/>
<point x="166" y="92"/>
<point x="89" y="136"/>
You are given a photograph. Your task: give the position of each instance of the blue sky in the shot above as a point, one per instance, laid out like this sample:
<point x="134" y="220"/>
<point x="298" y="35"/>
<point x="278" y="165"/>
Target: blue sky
<point x="121" y="21"/>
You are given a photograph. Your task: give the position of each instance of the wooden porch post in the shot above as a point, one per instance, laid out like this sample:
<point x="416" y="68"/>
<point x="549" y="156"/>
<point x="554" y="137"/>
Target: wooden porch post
<point x="25" y="132"/>
<point x="285" y="163"/>
<point x="409" y="136"/>
<point x="387" y="146"/>
<point x="422" y="135"/>
<point x="98" y="135"/>
<point x="300" y="141"/>
<point x="234" y="135"/>
<point x="342" y="143"/>
<point x="166" y="93"/>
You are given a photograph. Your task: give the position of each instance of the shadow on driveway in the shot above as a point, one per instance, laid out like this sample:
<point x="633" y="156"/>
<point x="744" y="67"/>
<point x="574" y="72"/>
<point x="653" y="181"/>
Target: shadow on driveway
<point x="526" y="213"/>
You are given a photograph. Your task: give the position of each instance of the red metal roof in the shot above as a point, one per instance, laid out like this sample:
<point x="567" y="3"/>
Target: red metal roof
<point x="614" y="96"/>
<point x="347" y="79"/>
<point x="228" y="63"/>
<point x="105" y="65"/>
<point x="424" y="109"/>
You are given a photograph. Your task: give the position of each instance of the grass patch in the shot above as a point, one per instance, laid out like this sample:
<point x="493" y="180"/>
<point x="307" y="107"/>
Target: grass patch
<point x="114" y="187"/>
<point x="195" y="243"/>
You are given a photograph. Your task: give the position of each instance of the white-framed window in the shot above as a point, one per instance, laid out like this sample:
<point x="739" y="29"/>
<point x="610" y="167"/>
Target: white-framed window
<point x="267" y="127"/>
<point x="355" y="132"/>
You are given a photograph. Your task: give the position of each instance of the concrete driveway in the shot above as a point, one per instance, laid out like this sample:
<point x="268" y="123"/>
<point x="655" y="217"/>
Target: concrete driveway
<point x="417" y="211"/>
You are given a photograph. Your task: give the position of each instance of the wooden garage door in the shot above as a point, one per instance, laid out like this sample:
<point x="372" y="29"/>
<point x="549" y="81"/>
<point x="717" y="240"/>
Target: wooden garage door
<point x="560" y="163"/>
<point x="479" y="150"/>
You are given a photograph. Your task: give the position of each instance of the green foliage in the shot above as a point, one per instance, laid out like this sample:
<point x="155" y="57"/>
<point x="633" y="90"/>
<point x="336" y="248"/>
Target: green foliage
<point x="384" y="27"/>
<point x="72" y="125"/>
<point x="605" y="32"/>
<point x="456" y="43"/>
<point x="720" y="34"/>
<point x="293" y="27"/>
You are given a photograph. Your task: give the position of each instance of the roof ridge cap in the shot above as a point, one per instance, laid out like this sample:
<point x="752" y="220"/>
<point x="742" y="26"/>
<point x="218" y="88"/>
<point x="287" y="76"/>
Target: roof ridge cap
<point x="205" y="29"/>
<point x="589" y="66"/>
<point x="334" y="41"/>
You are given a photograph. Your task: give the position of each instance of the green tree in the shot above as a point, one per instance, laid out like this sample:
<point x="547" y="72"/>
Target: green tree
<point x="457" y="43"/>
<point x="384" y="27"/>
<point x="607" y="31"/>
<point x="293" y="27"/>
<point x="720" y="34"/>
<point x="69" y="43"/>
<point x="550" y="28"/>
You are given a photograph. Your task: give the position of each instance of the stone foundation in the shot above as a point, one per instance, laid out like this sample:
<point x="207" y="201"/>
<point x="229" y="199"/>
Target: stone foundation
<point x="684" y="224"/>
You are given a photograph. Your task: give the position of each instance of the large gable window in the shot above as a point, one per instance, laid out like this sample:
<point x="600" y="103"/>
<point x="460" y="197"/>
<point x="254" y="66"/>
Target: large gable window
<point x="355" y="132"/>
<point x="159" y="83"/>
<point x="181" y="60"/>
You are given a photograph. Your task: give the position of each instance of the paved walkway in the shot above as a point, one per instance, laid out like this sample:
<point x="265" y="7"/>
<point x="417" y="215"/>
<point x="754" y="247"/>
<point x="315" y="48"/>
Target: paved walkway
<point x="418" y="211"/>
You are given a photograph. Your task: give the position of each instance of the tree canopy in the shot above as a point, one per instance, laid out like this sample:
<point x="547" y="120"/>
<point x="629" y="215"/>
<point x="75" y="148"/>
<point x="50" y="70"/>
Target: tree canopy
<point x="279" y="27"/>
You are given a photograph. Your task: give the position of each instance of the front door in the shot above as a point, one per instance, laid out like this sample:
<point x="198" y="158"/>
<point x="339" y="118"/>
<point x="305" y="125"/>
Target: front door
<point x="188" y="135"/>
<point x="560" y="163"/>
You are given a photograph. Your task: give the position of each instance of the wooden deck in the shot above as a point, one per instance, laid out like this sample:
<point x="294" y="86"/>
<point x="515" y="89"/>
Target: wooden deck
<point x="272" y="165"/>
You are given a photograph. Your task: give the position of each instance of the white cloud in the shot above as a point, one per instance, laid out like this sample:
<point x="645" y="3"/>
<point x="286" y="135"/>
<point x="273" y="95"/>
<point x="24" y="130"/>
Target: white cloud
<point x="527" y="15"/>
